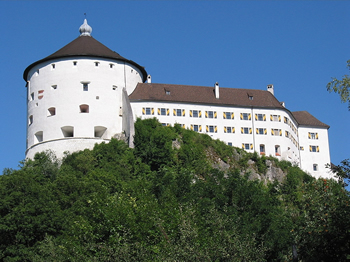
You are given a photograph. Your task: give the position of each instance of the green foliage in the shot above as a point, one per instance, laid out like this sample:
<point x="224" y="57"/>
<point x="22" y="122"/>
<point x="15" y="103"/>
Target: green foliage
<point x="168" y="200"/>
<point x="342" y="87"/>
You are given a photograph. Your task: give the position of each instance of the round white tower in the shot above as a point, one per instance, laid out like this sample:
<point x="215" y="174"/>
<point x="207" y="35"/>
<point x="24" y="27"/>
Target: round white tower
<point x="75" y="95"/>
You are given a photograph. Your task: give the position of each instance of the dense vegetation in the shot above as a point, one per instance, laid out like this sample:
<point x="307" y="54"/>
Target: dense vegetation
<point x="177" y="196"/>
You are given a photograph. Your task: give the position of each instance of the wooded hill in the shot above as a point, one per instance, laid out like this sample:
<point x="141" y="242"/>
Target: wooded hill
<point x="177" y="196"/>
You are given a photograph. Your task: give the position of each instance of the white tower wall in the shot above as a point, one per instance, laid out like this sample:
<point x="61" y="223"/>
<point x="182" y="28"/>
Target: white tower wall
<point x="57" y="99"/>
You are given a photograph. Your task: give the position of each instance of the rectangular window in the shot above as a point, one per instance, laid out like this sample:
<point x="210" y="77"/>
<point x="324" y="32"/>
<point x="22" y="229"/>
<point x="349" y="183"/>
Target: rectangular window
<point x="85" y="87"/>
<point x="245" y="116"/>
<point x="165" y="124"/>
<point x="260" y="117"/>
<point x="313" y="135"/>
<point x="229" y="143"/>
<point x="229" y="129"/>
<point x="196" y="128"/>
<point x="228" y="115"/>
<point x="276" y="132"/>
<point x="246" y="130"/>
<point x="211" y="129"/>
<point x="148" y="111"/>
<point x="179" y="112"/>
<point x="262" y="149"/>
<point x="275" y="118"/>
<point x="195" y="113"/>
<point x="247" y="146"/>
<point x="314" y="149"/>
<point x="261" y="131"/>
<point x="287" y="133"/>
<point x="315" y="167"/>
<point x="277" y="150"/>
<point x="163" y="111"/>
<point x="210" y="114"/>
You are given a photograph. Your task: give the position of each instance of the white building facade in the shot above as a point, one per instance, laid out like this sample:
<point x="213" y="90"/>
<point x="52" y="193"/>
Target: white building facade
<point x="85" y="93"/>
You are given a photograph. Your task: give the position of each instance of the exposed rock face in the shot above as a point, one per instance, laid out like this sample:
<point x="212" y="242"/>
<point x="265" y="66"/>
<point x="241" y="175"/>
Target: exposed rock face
<point x="273" y="173"/>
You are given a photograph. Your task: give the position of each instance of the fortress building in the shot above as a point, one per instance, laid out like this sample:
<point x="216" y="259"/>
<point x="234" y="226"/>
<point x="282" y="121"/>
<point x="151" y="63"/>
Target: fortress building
<point x="85" y="94"/>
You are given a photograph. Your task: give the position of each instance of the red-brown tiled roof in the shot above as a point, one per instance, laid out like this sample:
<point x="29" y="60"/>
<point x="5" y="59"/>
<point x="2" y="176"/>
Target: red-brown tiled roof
<point x="86" y="46"/>
<point x="204" y="95"/>
<point x="304" y="118"/>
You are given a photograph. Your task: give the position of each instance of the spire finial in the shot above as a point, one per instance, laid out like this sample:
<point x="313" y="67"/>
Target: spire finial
<point x="85" y="29"/>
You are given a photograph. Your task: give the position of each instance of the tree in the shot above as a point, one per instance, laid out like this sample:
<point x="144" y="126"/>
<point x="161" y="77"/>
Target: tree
<point x="342" y="87"/>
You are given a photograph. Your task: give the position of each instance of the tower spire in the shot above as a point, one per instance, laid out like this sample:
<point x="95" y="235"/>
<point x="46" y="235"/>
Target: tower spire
<point x="85" y="29"/>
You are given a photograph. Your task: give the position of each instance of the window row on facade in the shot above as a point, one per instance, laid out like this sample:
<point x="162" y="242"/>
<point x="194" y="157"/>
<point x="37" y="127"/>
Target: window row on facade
<point x="262" y="148"/>
<point x="291" y="125"/>
<point x="231" y="129"/>
<point x="207" y="114"/>
<point x="75" y="63"/>
<point x="85" y="87"/>
<point x="52" y="112"/>
<point x="68" y="131"/>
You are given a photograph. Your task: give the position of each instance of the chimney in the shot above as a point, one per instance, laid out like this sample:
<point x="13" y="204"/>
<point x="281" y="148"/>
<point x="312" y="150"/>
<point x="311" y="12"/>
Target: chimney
<point x="149" y="79"/>
<point x="283" y="104"/>
<point x="270" y="89"/>
<point x="217" y="90"/>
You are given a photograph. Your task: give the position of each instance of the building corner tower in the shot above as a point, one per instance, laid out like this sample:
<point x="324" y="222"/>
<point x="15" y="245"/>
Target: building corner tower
<point x="78" y="96"/>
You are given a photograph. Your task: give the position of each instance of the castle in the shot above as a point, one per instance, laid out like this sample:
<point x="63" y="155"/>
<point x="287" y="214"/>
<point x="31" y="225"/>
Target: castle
<point x="86" y="93"/>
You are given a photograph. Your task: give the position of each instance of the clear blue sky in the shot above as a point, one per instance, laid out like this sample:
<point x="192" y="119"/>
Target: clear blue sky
<point x="295" y="45"/>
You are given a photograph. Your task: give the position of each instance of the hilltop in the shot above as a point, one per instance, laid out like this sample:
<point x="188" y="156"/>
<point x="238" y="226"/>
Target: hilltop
<point x="177" y="196"/>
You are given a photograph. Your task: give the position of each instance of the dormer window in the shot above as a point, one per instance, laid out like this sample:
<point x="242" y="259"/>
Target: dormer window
<point x="167" y="92"/>
<point x="250" y="96"/>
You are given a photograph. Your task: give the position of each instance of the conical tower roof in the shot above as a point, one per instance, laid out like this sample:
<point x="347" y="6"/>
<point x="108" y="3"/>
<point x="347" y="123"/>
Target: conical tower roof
<point x="85" y="45"/>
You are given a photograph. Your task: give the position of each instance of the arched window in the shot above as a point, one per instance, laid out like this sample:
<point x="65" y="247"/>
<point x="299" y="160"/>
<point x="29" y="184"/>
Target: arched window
<point x="84" y="108"/>
<point x="99" y="131"/>
<point x="68" y="131"/>
<point x="38" y="137"/>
